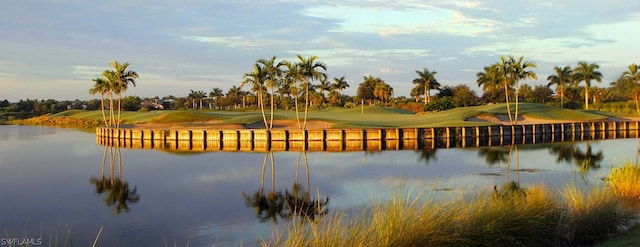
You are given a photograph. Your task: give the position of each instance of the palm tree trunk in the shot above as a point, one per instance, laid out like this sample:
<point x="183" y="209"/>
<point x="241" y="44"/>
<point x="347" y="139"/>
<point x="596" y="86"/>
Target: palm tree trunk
<point x="515" y="120"/>
<point x="272" y="107"/>
<point x="306" y="104"/>
<point x="104" y="117"/>
<point x="297" y="113"/>
<point x="261" y="103"/>
<point x="586" y="96"/>
<point x="506" y="96"/>
<point x="562" y="95"/>
<point x="636" y="98"/>
<point x="119" y="104"/>
<point x="111" y="116"/>
<point x="426" y="94"/>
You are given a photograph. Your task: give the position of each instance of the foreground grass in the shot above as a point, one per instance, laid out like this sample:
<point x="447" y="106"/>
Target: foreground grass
<point x="367" y="117"/>
<point x="508" y="216"/>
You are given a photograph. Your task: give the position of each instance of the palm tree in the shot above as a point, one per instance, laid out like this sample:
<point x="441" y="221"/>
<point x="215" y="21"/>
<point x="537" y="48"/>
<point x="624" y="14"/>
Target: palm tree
<point x="505" y="68"/>
<point x="293" y="75"/>
<point x="272" y="74"/>
<point x="101" y="86"/>
<point x="339" y="84"/>
<point x="382" y="91"/>
<point x="123" y="78"/>
<point x="633" y="75"/>
<point x="426" y="79"/>
<point x="111" y="82"/>
<point x="201" y="95"/>
<point x="490" y="78"/>
<point x="586" y="72"/>
<point x="562" y="77"/>
<point x="256" y="79"/>
<point x="521" y="72"/>
<point x="216" y="93"/>
<point x="325" y="85"/>
<point x="309" y="69"/>
<point x="195" y="96"/>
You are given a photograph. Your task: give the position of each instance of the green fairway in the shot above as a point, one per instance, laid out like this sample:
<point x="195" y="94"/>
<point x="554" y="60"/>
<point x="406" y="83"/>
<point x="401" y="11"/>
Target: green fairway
<point x="367" y="117"/>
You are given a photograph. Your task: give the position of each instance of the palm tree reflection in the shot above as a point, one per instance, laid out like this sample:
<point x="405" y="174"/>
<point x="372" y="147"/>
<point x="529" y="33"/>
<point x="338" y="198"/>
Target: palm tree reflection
<point x="276" y="205"/>
<point x="494" y="155"/>
<point x="587" y="159"/>
<point x="571" y="153"/>
<point x="427" y="154"/>
<point x="117" y="191"/>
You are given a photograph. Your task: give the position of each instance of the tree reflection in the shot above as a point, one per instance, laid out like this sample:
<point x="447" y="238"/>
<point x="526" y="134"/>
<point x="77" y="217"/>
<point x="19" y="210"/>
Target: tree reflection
<point x="275" y="205"/>
<point x="571" y="153"/>
<point x="587" y="159"/>
<point x="494" y="155"/>
<point x="564" y="152"/>
<point x="117" y="191"/>
<point x="427" y="154"/>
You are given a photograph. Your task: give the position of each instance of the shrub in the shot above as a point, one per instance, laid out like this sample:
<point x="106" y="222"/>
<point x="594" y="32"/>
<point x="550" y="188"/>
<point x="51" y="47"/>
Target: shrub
<point x="591" y="216"/>
<point x="624" y="181"/>
<point x="441" y="104"/>
<point x="350" y="105"/>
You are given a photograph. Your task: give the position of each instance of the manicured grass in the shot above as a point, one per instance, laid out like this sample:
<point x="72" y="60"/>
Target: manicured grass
<point x="367" y="117"/>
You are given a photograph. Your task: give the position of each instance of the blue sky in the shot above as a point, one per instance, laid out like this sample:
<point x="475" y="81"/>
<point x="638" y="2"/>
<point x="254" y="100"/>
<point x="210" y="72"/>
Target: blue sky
<point x="52" y="49"/>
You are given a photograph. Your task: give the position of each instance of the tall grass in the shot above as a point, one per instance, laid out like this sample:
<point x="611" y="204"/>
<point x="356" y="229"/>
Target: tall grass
<point x="624" y="181"/>
<point x="508" y="216"/>
<point x="592" y="215"/>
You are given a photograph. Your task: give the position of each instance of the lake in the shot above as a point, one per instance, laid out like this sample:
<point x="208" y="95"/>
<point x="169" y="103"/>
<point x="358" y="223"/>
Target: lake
<point x="57" y="184"/>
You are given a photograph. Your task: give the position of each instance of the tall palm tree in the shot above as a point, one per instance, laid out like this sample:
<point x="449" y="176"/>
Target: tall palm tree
<point x="586" y="72"/>
<point x="216" y="93"/>
<point x="505" y="69"/>
<point x="272" y="75"/>
<point x="522" y="71"/>
<point x="309" y="68"/>
<point x="123" y="78"/>
<point x="293" y="75"/>
<point x="101" y="86"/>
<point x="426" y="79"/>
<point x="256" y="79"/>
<point x="633" y="75"/>
<point x="111" y="81"/>
<point x="562" y="77"/>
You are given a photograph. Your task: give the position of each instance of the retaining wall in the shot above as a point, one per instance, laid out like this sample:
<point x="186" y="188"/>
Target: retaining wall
<point x="362" y="139"/>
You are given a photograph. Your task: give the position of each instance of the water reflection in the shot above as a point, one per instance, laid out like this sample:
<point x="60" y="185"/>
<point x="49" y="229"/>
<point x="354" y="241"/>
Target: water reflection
<point x="275" y="205"/>
<point x="494" y="155"/>
<point x="116" y="190"/>
<point x="427" y="154"/>
<point x="571" y="153"/>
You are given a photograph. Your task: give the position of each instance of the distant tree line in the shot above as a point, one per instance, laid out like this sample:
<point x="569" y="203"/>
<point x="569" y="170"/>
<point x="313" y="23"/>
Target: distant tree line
<point x="304" y="85"/>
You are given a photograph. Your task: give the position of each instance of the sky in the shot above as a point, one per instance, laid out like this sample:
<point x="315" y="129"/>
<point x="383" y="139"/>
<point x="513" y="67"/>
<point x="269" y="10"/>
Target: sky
<point x="53" y="49"/>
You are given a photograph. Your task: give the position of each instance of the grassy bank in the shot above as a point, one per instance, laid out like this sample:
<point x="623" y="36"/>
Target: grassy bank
<point x="509" y="215"/>
<point x="368" y="117"/>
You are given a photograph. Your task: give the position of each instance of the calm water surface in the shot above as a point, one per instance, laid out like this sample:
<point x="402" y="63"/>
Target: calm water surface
<point x="50" y="181"/>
